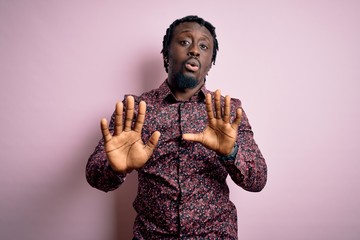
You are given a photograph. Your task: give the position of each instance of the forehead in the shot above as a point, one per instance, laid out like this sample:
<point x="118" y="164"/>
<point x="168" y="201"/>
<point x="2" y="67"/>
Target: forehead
<point x="192" y="28"/>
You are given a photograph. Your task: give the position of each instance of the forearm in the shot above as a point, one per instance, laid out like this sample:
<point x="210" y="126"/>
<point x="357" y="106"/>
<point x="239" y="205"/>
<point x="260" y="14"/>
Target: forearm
<point x="249" y="169"/>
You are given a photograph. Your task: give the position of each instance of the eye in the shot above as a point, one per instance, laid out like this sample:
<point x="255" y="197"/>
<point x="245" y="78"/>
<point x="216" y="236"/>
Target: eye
<point x="204" y="47"/>
<point x="184" y="42"/>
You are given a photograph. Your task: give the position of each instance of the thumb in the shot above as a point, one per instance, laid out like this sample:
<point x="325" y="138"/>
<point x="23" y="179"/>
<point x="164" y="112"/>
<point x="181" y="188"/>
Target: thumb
<point x="151" y="144"/>
<point x="195" y="137"/>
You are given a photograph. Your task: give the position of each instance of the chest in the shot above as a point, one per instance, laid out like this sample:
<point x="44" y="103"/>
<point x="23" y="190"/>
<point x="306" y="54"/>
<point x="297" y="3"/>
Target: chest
<point x="173" y="120"/>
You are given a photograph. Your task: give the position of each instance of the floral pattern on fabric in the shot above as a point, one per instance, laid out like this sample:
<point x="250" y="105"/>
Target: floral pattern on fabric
<point x="182" y="190"/>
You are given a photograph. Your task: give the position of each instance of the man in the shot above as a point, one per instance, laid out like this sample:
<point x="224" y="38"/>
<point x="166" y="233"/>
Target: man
<point x="184" y="148"/>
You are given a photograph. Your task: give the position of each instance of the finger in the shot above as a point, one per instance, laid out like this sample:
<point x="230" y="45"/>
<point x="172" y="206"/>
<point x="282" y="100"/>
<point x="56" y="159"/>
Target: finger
<point x="209" y="108"/>
<point x="227" y="109"/>
<point x="152" y="143"/>
<point x="218" y="104"/>
<point x="118" y="118"/>
<point x="194" y="137"/>
<point x="129" y="113"/>
<point x="105" y="130"/>
<point x="238" y="118"/>
<point x="141" y="117"/>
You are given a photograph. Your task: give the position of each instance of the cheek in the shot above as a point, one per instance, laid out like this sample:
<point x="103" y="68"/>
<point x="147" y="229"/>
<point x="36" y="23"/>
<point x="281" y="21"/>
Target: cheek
<point x="208" y="66"/>
<point x="173" y="64"/>
<point x="207" y="58"/>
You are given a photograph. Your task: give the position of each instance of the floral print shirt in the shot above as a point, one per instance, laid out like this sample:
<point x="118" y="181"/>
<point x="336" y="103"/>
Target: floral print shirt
<point x="182" y="190"/>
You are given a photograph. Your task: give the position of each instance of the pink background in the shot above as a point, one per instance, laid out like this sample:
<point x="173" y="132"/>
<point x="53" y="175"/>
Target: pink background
<point x="294" y="64"/>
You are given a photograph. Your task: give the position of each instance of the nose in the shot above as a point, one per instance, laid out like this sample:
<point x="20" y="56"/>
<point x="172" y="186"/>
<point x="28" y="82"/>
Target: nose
<point x="193" y="51"/>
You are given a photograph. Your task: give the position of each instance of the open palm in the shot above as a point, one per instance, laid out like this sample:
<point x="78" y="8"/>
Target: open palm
<point x="124" y="149"/>
<point x="220" y="134"/>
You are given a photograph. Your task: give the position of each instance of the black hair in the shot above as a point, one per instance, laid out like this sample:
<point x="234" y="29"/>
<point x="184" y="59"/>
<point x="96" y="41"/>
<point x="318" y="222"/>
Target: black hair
<point x="169" y="34"/>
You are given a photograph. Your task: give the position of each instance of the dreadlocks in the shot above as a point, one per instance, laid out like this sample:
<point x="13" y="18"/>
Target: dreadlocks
<point x="192" y="18"/>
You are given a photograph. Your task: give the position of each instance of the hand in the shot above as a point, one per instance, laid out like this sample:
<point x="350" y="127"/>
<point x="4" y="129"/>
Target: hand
<point x="125" y="150"/>
<point x="220" y="134"/>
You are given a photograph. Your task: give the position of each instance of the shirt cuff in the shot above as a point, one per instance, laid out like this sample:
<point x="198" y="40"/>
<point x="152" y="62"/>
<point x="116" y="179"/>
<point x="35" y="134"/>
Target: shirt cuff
<point x="231" y="156"/>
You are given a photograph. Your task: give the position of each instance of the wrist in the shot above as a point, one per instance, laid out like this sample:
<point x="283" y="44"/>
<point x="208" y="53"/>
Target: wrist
<point x="231" y="156"/>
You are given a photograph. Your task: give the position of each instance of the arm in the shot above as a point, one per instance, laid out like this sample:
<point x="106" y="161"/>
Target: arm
<point x="248" y="169"/>
<point x="121" y="150"/>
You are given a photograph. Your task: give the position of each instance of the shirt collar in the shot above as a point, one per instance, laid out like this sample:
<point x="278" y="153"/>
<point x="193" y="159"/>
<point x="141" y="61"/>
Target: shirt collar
<point x="166" y="94"/>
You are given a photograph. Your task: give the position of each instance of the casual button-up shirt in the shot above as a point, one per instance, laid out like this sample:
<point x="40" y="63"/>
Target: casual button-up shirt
<point x="182" y="190"/>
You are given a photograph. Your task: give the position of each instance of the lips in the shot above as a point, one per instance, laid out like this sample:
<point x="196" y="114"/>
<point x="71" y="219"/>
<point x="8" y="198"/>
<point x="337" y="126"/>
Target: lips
<point x="192" y="65"/>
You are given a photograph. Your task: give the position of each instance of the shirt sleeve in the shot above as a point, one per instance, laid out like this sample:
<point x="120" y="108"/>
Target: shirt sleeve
<point x="99" y="173"/>
<point x="249" y="169"/>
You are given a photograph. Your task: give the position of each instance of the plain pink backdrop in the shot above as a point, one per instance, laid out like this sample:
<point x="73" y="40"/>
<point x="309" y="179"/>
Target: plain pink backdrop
<point x="294" y="64"/>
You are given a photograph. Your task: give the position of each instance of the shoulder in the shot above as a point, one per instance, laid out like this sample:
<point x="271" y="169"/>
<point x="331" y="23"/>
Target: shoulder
<point x="149" y="96"/>
<point x="154" y="95"/>
<point x="235" y="102"/>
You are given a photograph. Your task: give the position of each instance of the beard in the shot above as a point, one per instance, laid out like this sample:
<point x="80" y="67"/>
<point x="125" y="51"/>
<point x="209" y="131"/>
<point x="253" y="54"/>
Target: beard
<point x="185" y="82"/>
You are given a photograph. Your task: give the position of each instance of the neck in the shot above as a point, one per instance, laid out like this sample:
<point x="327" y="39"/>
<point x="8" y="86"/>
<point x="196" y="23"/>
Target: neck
<point x="184" y="94"/>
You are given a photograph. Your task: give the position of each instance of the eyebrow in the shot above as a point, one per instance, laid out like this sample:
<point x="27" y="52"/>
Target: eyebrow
<point x="203" y="35"/>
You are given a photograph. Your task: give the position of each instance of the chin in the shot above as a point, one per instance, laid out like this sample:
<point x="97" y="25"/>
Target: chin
<point x="185" y="81"/>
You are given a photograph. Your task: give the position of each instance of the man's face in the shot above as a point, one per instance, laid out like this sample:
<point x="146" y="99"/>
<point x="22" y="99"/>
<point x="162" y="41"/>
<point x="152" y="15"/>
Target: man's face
<point x="190" y="55"/>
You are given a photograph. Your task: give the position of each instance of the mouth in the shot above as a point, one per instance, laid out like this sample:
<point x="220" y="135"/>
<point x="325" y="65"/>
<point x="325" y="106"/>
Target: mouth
<point x="192" y="65"/>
